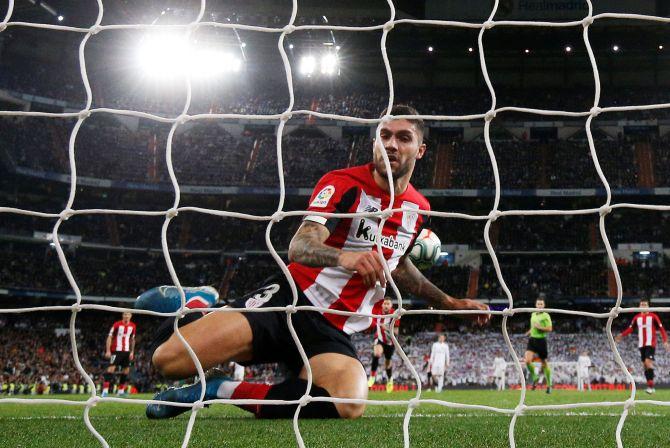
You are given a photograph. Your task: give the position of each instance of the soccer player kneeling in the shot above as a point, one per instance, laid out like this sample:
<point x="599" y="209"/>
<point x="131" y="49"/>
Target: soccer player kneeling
<point x="335" y="265"/>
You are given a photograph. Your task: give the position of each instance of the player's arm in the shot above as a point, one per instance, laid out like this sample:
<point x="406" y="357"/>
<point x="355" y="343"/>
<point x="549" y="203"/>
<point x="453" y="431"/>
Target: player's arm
<point x="132" y="347"/>
<point x="664" y="334"/>
<point x="628" y="330"/>
<point x="308" y="248"/>
<point x="411" y="280"/>
<point x="108" y="344"/>
<point x="447" y="359"/>
<point x="546" y="328"/>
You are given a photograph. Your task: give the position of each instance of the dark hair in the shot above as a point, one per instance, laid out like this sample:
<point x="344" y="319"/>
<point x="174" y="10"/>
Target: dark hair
<point x="404" y="109"/>
<point x="644" y="299"/>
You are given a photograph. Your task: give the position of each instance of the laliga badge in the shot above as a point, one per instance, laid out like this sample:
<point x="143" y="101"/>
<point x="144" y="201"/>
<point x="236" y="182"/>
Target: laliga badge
<point x="321" y="199"/>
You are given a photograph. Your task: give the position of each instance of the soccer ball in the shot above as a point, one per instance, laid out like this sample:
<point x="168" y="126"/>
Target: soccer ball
<point x="426" y="250"/>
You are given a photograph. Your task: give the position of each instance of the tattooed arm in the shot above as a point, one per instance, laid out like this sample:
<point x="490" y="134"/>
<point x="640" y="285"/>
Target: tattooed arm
<point x="411" y="280"/>
<point x="308" y="248"/>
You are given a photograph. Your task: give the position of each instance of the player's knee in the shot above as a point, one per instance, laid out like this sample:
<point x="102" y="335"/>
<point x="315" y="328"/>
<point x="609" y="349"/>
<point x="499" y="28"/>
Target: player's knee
<point x="350" y="410"/>
<point x="165" y="360"/>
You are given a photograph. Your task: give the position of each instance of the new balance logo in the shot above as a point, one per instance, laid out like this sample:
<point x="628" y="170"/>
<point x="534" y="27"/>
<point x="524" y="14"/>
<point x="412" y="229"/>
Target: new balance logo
<point x="370" y="209"/>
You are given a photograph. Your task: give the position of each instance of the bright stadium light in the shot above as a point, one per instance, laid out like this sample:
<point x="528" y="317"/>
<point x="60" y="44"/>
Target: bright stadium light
<point x="660" y="47"/>
<point x="470" y="49"/>
<point x="430" y="49"/>
<point x="60" y="18"/>
<point x="615" y="48"/>
<point x="290" y="46"/>
<point x="168" y="56"/>
<point x="568" y="49"/>
<point x="329" y="64"/>
<point x="527" y="51"/>
<point x="307" y="65"/>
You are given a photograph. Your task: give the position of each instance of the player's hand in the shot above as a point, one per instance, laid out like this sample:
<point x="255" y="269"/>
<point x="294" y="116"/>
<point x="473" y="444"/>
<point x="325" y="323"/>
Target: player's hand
<point x="131" y="356"/>
<point x="367" y="264"/>
<point x="108" y="355"/>
<point x="469" y="304"/>
<point x="617" y="339"/>
<point x="666" y="346"/>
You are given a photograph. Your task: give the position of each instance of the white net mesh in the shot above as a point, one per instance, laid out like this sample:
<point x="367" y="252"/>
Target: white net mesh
<point x="494" y="214"/>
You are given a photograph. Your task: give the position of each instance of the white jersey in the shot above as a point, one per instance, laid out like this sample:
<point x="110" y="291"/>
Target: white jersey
<point x="583" y="364"/>
<point x="499" y="366"/>
<point x="439" y="357"/>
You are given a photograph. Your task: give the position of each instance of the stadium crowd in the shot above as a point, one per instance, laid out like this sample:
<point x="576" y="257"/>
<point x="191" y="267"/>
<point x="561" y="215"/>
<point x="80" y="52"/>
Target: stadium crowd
<point x="36" y="355"/>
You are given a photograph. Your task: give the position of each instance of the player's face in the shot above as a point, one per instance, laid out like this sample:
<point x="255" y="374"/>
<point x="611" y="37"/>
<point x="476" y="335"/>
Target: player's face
<point x="441" y="338"/>
<point x="126" y="317"/>
<point x="539" y="304"/>
<point x="403" y="144"/>
<point x="644" y="305"/>
<point x="386" y="306"/>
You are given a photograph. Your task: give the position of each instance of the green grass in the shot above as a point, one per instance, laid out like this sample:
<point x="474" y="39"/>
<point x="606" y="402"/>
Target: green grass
<point x="124" y="425"/>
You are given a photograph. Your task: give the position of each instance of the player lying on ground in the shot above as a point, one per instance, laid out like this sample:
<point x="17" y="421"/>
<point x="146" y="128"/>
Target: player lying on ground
<point x="335" y="265"/>
<point x="120" y="350"/>
<point x="647" y="324"/>
<point x="383" y="344"/>
<point x="540" y="325"/>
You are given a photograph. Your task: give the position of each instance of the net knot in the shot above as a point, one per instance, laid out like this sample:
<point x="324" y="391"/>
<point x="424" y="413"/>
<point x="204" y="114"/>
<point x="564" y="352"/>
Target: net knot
<point x="386" y="214"/>
<point x="388" y="26"/>
<point x="277" y="216"/>
<point x="76" y="307"/>
<point x="587" y="21"/>
<point x="95" y="29"/>
<point x="198" y="405"/>
<point x="171" y="213"/>
<point x="84" y="114"/>
<point x="595" y="111"/>
<point x="494" y="215"/>
<point x="183" y="118"/>
<point x="288" y="29"/>
<point x="629" y="404"/>
<point x="490" y="115"/>
<point x="65" y="214"/>
<point x="3" y="27"/>
<point x="413" y="403"/>
<point x="305" y="400"/>
<point x="520" y="409"/>
<point x="93" y="401"/>
<point x="489" y="24"/>
<point x="401" y="312"/>
<point x="286" y="116"/>
<point x="614" y="313"/>
<point x="604" y="210"/>
<point x="508" y="312"/>
<point x="290" y="309"/>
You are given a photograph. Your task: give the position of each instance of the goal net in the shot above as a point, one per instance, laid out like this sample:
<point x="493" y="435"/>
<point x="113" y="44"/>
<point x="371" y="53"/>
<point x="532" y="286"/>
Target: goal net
<point x="487" y="116"/>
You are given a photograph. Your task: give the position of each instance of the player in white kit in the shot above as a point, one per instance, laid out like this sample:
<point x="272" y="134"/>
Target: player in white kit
<point x="439" y="361"/>
<point x="583" y="377"/>
<point x="238" y="371"/>
<point x="499" y="371"/>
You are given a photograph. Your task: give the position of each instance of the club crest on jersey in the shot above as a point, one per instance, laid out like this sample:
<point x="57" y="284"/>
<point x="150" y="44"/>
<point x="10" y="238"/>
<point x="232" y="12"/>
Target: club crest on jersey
<point x="261" y="298"/>
<point x="366" y="233"/>
<point x="322" y="198"/>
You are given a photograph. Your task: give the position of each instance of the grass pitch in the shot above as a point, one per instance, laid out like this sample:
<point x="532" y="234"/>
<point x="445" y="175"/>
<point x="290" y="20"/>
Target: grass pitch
<point x="124" y="425"/>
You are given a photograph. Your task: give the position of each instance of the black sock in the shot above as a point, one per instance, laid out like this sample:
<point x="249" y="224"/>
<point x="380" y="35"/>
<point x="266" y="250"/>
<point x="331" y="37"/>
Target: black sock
<point x="108" y="377"/>
<point x="293" y="389"/>
<point x="649" y="374"/>
<point x="375" y="365"/>
<point x="165" y="330"/>
<point x="389" y="372"/>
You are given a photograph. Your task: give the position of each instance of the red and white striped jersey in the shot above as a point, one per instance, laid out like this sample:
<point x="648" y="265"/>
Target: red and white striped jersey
<point x="382" y="326"/>
<point x="353" y="190"/>
<point x="646" y="329"/>
<point x="121" y="334"/>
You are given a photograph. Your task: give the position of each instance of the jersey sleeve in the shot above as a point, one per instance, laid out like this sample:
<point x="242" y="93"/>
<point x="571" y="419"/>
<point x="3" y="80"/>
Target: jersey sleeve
<point x="111" y="330"/>
<point x="664" y="334"/>
<point x="547" y="321"/>
<point x="332" y="194"/>
<point x="630" y="327"/>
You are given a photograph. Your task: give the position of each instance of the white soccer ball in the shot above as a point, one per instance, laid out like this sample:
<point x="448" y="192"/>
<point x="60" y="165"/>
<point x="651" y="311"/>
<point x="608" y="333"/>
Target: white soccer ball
<point x="426" y="250"/>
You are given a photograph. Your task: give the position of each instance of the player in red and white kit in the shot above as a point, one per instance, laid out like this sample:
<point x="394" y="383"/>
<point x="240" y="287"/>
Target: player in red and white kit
<point x="383" y="344"/>
<point x="120" y="350"/>
<point x="335" y="265"/>
<point x="647" y="324"/>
